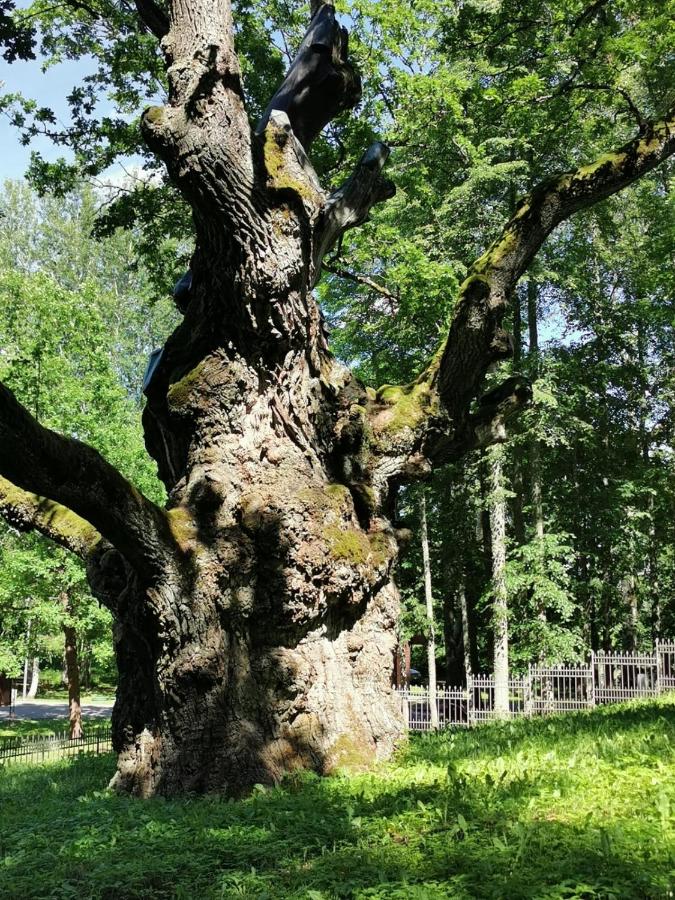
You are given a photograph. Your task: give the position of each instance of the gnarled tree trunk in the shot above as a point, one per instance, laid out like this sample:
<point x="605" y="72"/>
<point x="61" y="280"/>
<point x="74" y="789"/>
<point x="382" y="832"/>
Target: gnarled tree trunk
<point x="255" y="615"/>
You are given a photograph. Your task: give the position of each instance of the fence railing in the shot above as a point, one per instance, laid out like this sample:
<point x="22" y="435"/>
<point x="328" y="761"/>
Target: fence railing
<point x="38" y="748"/>
<point x="608" y="678"/>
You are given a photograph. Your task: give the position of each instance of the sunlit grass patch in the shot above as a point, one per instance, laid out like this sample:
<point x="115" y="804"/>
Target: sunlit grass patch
<point x="577" y="806"/>
<point x="13" y="728"/>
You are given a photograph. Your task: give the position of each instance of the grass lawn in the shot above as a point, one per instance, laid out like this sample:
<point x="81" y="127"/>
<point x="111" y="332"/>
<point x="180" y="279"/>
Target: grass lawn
<point x="580" y="806"/>
<point x="85" y="697"/>
<point x="25" y="727"/>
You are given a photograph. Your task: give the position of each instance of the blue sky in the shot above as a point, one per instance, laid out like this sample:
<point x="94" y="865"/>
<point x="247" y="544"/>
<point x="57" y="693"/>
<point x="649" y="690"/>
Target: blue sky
<point x="49" y="89"/>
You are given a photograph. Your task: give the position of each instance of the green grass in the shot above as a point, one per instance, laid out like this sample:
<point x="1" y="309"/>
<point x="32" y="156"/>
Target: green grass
<point x="571" y="807"/>
<point x="46" y="727"/>
<point x="86" y="697"/>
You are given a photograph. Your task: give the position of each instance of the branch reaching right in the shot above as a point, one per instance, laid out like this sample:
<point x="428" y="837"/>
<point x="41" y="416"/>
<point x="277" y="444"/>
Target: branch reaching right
<point x="432" y="419"/>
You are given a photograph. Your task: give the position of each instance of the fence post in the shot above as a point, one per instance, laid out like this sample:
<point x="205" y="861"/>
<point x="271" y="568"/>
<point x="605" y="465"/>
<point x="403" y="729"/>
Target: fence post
<point x="470" y="718"/>
<point x="659" y="667"/>
<point x="590" y="686"/>
<point x="528" y="691"/>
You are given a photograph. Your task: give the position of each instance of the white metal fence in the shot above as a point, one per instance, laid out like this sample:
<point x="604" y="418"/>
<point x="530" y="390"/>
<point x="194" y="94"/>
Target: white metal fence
<point x="608" y="678"/>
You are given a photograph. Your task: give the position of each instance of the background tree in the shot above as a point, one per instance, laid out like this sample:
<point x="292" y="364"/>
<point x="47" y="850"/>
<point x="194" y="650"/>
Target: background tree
<point x="74" y="344"/>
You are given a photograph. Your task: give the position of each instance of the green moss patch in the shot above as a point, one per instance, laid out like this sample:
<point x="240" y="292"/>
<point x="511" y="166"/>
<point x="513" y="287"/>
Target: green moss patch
<point x="349" y="544"/>
<point x="182" y="527"/>
<point x="179" y="392"/>
<point x="409" y="404"/>
<point x="276" y="165"/>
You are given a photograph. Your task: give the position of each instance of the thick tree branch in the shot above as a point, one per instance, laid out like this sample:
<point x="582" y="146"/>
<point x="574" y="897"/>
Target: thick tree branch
<point x="203" y="133"/>
<point x="153" y="17"/>
<point x="28" y="512"/>
<point x="431" y="421"/>
<point x="351" y="203"/>
<point x="321" y="83"/>
<point x="39" y="461"/>
<point x="476" y="339"/>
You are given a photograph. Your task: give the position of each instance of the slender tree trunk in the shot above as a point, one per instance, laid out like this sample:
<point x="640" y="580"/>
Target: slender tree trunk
<point x="517" y="502"/>
<point x="72" y="670"/>
<point x="645" y="449"/>
<point x="452" y="633"/>
<point x="466" y="633"/>
<point x="656" y="616"/>
<point x="537" y="504"/>
<point x="84" y="659"/>
<point x="535" y="449"/>
<point x="429" y="601"/>
<point x="500" y="613"/>
<point x="34" y="679"/>
<point x="628" y="589"/>
<point x="24" y="690"/>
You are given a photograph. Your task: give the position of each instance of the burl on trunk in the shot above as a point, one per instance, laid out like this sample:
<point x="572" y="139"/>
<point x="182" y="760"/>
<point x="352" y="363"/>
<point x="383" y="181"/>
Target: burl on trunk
<point x="255" y="616"/>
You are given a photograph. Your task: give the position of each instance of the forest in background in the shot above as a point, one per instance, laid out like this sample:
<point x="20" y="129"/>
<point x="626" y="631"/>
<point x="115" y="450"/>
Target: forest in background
<point x="479" y="103"/>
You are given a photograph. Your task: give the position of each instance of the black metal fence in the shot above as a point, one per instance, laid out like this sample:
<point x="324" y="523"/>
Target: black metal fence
<point x="38" y="748"/>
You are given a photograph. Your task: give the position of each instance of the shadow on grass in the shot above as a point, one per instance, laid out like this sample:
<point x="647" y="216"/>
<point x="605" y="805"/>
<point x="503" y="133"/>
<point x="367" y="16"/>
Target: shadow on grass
<point x="572" y="807"/>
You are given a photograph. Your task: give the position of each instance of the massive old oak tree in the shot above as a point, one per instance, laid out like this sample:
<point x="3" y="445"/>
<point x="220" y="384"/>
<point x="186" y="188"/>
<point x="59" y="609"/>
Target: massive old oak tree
<point x="255" y="615"/>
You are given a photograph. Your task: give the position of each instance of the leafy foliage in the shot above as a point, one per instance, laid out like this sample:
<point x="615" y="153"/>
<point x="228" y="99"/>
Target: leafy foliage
<point x="75" y="329"/>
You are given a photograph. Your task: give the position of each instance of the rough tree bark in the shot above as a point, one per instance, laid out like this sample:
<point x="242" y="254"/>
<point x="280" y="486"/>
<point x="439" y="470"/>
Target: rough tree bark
<point x="255" y="615"/>
<point x="72" y="669"/>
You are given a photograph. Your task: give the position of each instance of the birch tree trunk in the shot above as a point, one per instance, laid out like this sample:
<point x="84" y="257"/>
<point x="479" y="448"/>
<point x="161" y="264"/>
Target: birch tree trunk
<point x="34" y="679"/>
<point x="429" y="602"/>
<point x="500" y="611"/>
<point x="535" y="449"/>
<point x="518" y="517"/>
<point x="535" y="466"/>
<point x="24" y="687"/>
